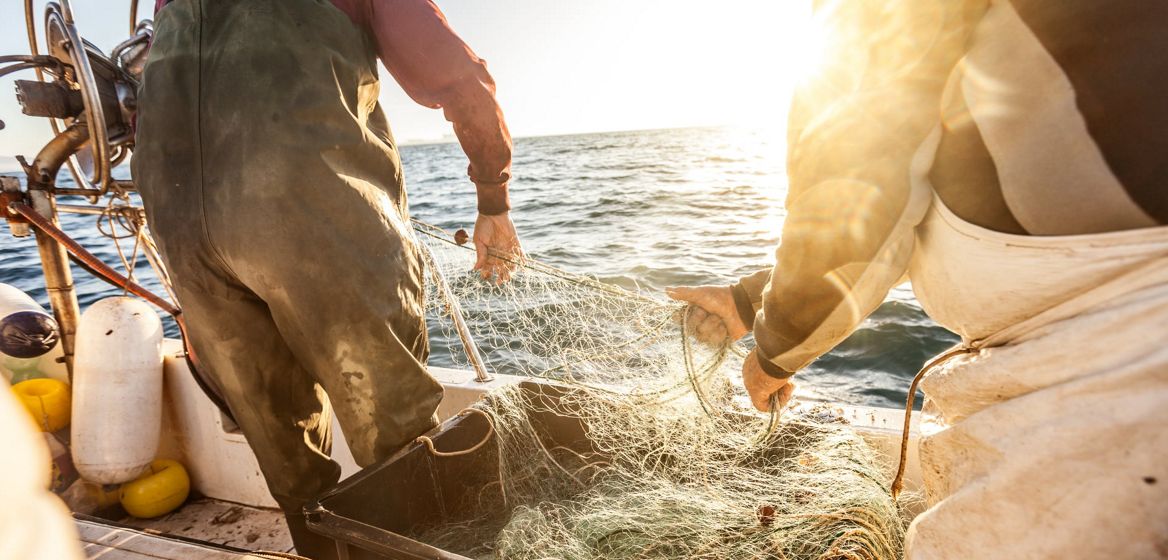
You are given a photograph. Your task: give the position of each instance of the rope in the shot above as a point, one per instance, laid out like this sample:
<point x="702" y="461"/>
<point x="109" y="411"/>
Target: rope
<point x="95" y="263"/>
<point x="1147" y="275"/>
<point x="898" y="481"/>
<point x="429" y="443"/>
<point x="131" y="222"/>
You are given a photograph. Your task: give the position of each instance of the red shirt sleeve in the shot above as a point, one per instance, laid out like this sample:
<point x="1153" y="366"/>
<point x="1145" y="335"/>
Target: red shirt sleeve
<point x="438" y="70"/>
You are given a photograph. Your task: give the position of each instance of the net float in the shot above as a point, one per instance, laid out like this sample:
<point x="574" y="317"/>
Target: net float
<point x="160" y="490"/>
<point x="47" y="401"/>
<point x="26" y="329"/>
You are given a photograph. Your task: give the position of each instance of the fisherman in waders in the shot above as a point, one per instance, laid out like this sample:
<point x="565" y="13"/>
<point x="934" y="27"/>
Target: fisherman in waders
<point x="1008" y="158"/>
<point x="275" y="190"/>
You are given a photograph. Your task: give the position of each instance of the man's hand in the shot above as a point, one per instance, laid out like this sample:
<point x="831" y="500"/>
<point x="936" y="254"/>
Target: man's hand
<point x="714" y="316"/>
<point x="495" y="235"/>
<point x="761" y="386"/>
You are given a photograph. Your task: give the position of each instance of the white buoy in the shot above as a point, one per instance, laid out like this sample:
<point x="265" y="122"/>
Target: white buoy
<point x="26" y="329"/>
<point x="117" y="390"/>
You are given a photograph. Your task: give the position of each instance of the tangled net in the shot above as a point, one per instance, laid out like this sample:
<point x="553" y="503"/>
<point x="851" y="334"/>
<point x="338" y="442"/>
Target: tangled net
<point x="673" y="465"/>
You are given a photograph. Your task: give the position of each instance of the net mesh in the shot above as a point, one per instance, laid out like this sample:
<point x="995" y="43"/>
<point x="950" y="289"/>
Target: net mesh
<point x="675" y="466"/>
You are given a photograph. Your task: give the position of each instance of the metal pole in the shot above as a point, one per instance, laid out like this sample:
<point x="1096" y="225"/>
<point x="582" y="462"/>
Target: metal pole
<point x="58" y="277"/>
<point x="54" y="260"/>
<point x="133" y="16"/>
<point x="30" y="28"/>
<point x="468" y="343"/>
<point x="128" y="211"/>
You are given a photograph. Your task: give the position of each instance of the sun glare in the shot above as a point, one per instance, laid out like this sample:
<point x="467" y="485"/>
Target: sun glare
<point x="803" y="47"/>
<point x="606" y="65"/>
<point x="764" y="56"/>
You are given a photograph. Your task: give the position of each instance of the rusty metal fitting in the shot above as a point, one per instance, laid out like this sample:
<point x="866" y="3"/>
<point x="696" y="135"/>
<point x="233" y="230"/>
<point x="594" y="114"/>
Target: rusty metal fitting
<point x="9" y="193"/>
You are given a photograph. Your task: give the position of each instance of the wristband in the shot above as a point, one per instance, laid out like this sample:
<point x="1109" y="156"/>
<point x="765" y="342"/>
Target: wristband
<point x="743" y="305"/>
<point x="769" y="368"/>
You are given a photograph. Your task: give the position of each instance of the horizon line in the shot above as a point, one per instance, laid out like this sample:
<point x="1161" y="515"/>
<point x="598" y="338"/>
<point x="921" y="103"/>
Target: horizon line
<point x="8" y="163"/>
<point x="452" y="139"/>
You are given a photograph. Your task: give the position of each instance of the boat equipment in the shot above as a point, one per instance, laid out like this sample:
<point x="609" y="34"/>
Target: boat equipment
<point x="90" y="101"/>
<point x="26" y="330"/>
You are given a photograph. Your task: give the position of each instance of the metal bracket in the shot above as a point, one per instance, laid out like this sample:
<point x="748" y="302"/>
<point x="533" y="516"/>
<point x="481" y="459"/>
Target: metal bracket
<point x="48" y="99"/>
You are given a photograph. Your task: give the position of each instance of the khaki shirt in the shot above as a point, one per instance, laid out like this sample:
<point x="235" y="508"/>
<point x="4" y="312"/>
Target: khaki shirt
<point x="1023" y="117"/>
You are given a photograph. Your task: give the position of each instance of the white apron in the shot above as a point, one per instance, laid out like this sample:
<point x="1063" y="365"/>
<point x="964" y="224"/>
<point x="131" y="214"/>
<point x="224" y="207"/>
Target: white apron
<point x="1050" y="438"/>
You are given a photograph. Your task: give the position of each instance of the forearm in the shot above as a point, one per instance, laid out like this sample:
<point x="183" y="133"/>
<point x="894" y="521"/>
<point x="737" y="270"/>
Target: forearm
<point x="852" y="203"/>
<point x="482" y="132"/>
<point x="808" y="309"/>
<point x="438" y="70"/>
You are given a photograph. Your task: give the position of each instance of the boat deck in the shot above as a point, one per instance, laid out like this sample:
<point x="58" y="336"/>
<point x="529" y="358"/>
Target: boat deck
<point x="202" y="529"/>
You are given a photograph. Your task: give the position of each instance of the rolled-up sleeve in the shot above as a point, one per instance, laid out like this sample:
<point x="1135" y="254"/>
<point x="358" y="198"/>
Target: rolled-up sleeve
<point x="853" y="132"/>
<point x="438" y="70"/>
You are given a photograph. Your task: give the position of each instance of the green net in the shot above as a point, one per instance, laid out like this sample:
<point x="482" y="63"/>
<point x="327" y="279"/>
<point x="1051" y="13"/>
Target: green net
<point x="674" y="466"/>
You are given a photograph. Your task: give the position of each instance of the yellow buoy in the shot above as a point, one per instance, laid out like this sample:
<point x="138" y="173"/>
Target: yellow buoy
<point x="158" y="491"/>
<point x="47" y="400"/>
<point x="101" y="497"/>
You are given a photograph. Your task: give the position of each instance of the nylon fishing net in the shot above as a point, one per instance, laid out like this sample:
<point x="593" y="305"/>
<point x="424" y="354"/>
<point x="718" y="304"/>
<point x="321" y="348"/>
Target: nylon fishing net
<point x="673" y="465"/>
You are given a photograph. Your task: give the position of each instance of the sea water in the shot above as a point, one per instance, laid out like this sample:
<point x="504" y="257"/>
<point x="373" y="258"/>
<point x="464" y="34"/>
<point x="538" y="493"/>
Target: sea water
<point x="642" y="210"/>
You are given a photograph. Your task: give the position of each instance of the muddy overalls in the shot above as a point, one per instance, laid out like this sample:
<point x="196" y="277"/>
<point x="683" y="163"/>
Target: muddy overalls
<point x="275" y="191"/>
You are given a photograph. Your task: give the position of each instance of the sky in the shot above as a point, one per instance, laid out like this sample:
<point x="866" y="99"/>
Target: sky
<point x="561" y="66"/>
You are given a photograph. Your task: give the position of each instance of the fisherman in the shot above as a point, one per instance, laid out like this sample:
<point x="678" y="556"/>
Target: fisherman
<point x="274" y="188"/>
<point x="1008" y="157"/>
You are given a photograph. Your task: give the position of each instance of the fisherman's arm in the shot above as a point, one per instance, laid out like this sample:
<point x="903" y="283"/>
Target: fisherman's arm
<point x="851" y="206"/>
<point x="853" y="132"/>
<point x="438" y="70"/>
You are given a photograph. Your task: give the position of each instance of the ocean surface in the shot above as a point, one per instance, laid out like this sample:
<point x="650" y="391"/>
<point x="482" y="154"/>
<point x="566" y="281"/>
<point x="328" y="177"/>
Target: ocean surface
<point x="642" y="210"/>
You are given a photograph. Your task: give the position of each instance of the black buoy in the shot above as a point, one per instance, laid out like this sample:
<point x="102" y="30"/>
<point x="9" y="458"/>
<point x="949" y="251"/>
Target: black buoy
<point x="26" y="330"/>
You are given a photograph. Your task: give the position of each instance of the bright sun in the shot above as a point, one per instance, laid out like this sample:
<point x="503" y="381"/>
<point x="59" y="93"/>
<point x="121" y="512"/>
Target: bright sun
<point x="761" y="58"/>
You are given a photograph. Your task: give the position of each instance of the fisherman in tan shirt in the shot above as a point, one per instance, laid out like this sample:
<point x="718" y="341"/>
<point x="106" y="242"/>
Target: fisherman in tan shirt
<point x="1007" y="158"/>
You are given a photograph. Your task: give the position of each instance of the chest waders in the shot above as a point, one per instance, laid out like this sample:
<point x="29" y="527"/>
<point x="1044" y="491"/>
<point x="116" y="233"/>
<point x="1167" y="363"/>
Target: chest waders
<point x="275" y="191"/>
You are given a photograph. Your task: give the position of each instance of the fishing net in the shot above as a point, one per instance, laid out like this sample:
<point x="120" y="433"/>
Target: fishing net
<point x="674" y="466"/>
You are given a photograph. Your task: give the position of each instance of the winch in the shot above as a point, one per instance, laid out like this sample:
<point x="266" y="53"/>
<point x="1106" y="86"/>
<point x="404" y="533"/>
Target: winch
<point x="89" y="98"/>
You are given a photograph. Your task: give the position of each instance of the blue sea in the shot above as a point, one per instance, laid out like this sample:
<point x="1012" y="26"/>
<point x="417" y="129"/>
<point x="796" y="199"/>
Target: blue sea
<point x="642" y="210"/>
